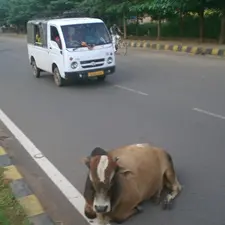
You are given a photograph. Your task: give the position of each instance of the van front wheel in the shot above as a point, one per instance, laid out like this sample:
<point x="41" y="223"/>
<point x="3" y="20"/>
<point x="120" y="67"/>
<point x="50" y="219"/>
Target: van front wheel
<point x="36" y="70"/>
<point x="59" y="81"/>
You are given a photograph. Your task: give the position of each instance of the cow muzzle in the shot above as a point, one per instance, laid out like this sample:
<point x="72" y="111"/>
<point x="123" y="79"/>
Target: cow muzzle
<point x="101" y="208"/>
<point x="101" y="204"/>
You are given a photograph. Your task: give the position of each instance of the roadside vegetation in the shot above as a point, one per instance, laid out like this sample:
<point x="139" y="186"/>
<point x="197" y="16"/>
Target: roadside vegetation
<point x="203" y="20"/>
<point x="11" y="213"/>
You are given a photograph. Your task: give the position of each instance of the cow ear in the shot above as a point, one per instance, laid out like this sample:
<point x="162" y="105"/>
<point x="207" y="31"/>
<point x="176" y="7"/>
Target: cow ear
<point x="120" y="169"/>
<point x="86" y="161"/>
<point x="124" y="171"/>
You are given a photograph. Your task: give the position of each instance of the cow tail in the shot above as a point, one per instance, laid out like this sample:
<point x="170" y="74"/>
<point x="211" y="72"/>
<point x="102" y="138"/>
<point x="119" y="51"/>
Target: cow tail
<point x="170" y="160"/>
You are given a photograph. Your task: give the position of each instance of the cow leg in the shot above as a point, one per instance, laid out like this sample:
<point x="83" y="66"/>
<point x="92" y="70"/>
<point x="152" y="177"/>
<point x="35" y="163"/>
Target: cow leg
<point x="89" y="212"/>
<point x="126" y="216"/>
<point x="89" y="198"/>
<point x="157" y="197"/>
<point x="172" y="184"/>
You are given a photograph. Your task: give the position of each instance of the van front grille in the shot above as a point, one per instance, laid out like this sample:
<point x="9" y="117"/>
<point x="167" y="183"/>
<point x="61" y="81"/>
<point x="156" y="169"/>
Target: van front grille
<point x="93" y="60"/>
<point x="92" y="63"/>
<point x="91" y="66"/>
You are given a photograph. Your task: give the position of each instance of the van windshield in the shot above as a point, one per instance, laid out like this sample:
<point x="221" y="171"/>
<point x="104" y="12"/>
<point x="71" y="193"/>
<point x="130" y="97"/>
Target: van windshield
<point x="91" y="33"/>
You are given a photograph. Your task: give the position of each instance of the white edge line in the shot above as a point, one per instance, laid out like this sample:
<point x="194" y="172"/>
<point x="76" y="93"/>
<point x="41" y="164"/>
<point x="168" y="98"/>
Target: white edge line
<point x="130" y="89"/>
<point x="69" y="191"/>
<point x="209" y="113"/>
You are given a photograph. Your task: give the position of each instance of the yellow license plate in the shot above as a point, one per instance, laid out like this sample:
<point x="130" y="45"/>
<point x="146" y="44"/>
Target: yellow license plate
<point x="96" y="73"/>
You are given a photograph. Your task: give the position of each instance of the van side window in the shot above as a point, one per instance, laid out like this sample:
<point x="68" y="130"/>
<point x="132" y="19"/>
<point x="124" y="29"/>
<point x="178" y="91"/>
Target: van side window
<point x="55" y="36"/>
<point x="37" y="35"/>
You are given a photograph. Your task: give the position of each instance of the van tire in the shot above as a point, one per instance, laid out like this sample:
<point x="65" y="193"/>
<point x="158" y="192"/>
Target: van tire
<point x="59" y="81"/>
<point x="36" y="70"/>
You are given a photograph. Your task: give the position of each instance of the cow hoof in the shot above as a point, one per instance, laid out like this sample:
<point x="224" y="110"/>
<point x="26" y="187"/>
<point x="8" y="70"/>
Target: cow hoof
<point x="139" y="209"/>
<point x="118" y="221"/>
<point x="166" y="204"/>
<point x="90" y="215"/>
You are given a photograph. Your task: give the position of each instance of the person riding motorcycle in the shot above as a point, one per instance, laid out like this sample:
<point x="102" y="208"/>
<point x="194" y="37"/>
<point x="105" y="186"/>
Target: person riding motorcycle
<point x="115" y="32"/>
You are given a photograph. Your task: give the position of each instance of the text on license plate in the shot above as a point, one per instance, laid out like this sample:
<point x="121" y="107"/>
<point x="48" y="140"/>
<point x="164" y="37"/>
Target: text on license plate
<point x="96" y="73"/>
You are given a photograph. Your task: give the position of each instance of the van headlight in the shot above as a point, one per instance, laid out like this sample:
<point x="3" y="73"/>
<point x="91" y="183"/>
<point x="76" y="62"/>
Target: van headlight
<point x="109" y="60"/>
<point x="74" y="65"/>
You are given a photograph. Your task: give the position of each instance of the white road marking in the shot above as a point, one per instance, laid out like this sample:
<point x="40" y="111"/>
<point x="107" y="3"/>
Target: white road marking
<point x="69" y="191"/>
<point x="102" y="166"/>
<point x="209" y="113"/>
<point x="130" y="89"/>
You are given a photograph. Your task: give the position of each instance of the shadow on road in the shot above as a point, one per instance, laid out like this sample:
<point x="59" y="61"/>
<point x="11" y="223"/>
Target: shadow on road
<point x="88" y="84"/>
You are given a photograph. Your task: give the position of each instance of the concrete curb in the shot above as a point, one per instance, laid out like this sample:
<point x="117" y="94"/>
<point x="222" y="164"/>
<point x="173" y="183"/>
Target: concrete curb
<point x="30" y="203"/>
<point x="195" y="50"/>
<point x="177" y="48"/>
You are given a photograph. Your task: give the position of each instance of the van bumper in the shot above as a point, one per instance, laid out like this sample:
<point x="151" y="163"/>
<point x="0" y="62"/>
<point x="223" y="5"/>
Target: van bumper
<point x="84" y="74"/>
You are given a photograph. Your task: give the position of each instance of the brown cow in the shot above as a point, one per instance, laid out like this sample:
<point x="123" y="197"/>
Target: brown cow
<point x="121" y="179"/>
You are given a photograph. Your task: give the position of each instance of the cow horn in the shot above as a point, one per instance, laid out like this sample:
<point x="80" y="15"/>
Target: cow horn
<point x="116" y="159"/>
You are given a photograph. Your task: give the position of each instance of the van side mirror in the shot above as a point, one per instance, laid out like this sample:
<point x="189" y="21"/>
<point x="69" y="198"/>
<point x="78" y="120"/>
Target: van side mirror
<point x="54" y="44"/>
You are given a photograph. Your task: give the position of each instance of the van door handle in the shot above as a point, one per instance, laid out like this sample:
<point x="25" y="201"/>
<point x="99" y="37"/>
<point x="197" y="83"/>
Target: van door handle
<point x="50" y="47"/>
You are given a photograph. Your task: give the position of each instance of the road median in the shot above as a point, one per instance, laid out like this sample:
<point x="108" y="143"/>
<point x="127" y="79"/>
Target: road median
<point x="190" y="48"/>
<point x="186" y="48"/>
<point x="18" y="204"/>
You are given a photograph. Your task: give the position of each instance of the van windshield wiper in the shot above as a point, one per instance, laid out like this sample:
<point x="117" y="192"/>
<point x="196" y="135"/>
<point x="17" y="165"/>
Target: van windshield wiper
<point x="73" y="48"/>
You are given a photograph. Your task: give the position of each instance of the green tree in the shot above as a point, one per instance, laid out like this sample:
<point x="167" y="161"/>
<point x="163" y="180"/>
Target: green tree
<point x="220" y="6"/>
<point x="4" y="8"/>
<point x="157" y="9"/>
<point x="20" y="11"/>
<point x="121" y="10"/>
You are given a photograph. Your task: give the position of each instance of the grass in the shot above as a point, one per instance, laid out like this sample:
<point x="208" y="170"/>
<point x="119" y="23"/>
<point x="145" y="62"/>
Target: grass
<point x="11" y="213"/>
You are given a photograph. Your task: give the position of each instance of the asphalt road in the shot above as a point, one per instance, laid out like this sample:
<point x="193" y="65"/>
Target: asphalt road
<point x="173" y="100"/>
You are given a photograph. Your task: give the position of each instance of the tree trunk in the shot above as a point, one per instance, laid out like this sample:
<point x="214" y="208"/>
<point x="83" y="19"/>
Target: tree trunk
<point x="159" y="28"/>
<point x="222" y="29"/>
<point x="181" y="24"/>
<point x="137" y="24"/>
<point x="124" y="26"/>
<point x="201" y="21"/>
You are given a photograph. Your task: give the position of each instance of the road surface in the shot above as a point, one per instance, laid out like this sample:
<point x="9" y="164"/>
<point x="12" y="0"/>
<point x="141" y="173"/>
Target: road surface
<point x="173" y="100"/>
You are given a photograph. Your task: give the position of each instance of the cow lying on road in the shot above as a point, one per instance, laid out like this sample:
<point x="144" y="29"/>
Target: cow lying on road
<point x="121" y="179"/>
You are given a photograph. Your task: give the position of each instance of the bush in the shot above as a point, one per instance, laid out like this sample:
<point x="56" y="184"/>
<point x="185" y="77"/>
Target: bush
<point x="172" y="28"/>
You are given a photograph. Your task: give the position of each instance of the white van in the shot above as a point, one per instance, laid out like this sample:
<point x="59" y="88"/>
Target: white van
<point x="70" y="48"/>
